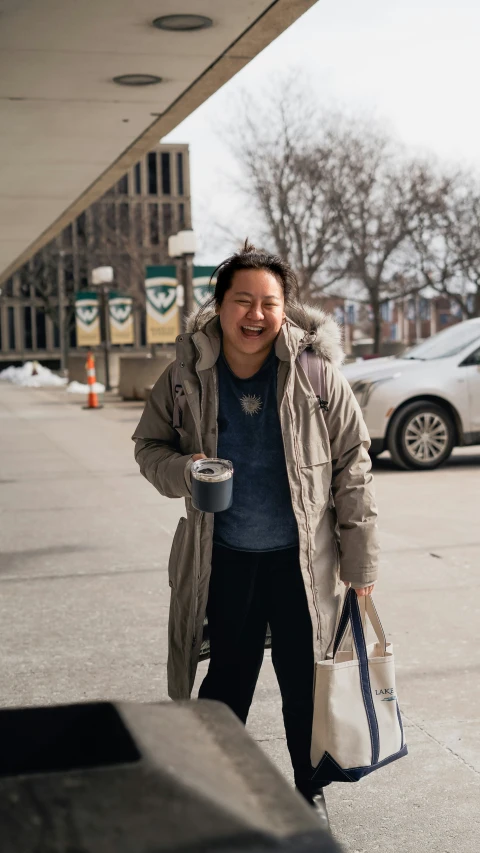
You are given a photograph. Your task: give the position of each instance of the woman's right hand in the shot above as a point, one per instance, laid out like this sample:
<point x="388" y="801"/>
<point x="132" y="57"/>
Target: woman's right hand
<point x="197" y="456"/>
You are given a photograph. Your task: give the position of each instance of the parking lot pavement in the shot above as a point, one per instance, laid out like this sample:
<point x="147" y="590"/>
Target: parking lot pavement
<point x="84" y="543"/>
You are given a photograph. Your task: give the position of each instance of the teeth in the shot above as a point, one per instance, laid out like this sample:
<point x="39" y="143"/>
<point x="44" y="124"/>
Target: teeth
<point x="253" y="328"/>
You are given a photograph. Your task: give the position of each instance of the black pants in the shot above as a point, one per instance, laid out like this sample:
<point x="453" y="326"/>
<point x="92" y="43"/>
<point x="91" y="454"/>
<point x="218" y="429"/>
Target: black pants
<point x="247" y="591"/>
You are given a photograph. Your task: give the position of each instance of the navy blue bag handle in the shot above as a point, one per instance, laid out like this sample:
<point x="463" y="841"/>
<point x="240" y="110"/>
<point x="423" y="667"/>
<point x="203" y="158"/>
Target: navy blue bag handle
<point x="345" y="619"/>
<point x="351" y="615"/>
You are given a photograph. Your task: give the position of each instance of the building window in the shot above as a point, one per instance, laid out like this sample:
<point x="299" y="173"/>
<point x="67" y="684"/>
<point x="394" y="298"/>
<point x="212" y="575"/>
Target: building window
<point x="11" y="327"/>
<point x="122" y="186"/>
<point x="72" y="336"/>
<point x="166" y="181"/>
<point x="386" y="311"/>
<point x="123" y="272"/>
<point x="111" y="226"/>
<point x="143" y="329"/>
<point x="67" y="237"/>
<point x="56" y="334"/>
<point x="25" y="283"/>
<point x="138" y="224"/>
<point x="82" y="230"/>
<point x="27" y="325"/>
<point x="124" y="214"/>
<point x="154" y="232"/>
<point x="424" y="309"/>
<point x="69" y="274"/>
<point x="167" y="220"/>
<point x="152" y="173"/>
<point x="138" y="178"/>
<point x="181" y="216"/>
<point x="9" y="287"/>
<point x="41" y="328"/>
<point x="97" y="229"/>
<point x="180" y="185"/>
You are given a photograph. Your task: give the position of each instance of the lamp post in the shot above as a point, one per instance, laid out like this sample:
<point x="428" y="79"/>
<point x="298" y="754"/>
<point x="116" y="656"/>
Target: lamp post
<point x="62" y="320"/>
<point x="182" y="246"/>
<point x="102" y="277"/>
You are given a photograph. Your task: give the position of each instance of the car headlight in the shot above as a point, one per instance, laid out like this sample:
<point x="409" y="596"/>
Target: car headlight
<point x="363" y="388"/>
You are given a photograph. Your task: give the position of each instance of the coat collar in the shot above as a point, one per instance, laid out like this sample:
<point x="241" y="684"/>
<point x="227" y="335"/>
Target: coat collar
<point x="324" y="335"/>
<point x="208" y="342"/>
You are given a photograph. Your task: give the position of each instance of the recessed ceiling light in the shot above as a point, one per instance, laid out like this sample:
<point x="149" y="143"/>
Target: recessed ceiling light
<point x="182" y="22"/>
<point x="137" y="79"/>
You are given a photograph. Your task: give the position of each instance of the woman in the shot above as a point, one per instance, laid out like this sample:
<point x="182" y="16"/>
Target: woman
<point x="303" y="518"/>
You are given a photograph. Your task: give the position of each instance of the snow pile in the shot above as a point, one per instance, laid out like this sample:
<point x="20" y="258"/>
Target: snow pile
<point x="32" y="375"/>
<point x="78" y="388"/>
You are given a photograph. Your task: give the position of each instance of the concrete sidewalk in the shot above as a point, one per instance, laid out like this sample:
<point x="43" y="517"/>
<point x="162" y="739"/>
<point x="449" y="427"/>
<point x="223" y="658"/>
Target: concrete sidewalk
<point x="84" y="543"/>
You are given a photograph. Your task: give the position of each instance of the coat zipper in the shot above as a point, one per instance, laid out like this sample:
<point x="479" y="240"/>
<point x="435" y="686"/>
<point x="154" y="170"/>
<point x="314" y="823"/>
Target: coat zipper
<point x="196" y="572"/>
<point x="309" y="561"/>
<point x="198" y="522"/>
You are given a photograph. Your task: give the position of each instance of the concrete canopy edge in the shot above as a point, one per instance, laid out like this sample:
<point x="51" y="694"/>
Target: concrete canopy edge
<point x="265" y="29"/>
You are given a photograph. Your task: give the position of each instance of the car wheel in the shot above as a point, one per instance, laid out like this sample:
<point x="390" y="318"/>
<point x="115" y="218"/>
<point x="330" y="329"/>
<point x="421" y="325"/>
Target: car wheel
<point x="422" y="436"/>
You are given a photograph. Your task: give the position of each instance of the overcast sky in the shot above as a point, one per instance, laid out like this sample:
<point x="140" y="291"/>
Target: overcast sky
<point x="414" y="64"/>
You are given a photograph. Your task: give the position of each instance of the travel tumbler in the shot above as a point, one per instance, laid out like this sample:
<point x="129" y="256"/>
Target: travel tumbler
<point x="212" y="484"/>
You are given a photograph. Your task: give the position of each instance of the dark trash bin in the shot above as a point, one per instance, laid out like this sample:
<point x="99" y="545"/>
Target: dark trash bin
<point x="131" y="778"/>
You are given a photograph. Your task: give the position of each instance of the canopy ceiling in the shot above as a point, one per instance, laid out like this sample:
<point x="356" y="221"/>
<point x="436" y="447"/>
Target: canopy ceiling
<point x="68" y="132"/>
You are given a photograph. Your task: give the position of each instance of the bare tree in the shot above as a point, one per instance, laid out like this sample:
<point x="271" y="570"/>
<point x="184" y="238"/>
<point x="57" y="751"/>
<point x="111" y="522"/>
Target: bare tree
<point x="466" y="240"/>
<point x="286" y="171"/>
<point x="338" y="198"/>
<point x="41" y="277"/>
<point x="379" y="196"/>
<point x="447" y="244"/>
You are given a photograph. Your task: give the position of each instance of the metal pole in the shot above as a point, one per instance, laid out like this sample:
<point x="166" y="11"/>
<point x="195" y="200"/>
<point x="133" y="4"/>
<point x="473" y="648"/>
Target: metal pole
<point x="433" y="316"/>
<point x="106" y="340"/>
<point x="418" y="321"/>
<point x="61" y="311"/>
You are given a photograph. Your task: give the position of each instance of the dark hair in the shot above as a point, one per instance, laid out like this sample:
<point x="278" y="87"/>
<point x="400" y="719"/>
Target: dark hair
<point x="250" y="258"/>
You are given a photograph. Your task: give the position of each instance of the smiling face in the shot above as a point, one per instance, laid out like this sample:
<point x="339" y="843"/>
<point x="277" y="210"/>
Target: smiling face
<point x="251" y="313"/>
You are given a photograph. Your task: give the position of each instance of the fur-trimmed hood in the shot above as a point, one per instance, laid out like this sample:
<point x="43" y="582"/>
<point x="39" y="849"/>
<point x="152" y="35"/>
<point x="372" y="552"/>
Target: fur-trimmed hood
<point x="324" y="334"/>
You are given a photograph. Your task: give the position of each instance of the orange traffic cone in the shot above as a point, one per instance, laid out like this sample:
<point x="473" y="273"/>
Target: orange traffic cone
<point x="92" y="400"/>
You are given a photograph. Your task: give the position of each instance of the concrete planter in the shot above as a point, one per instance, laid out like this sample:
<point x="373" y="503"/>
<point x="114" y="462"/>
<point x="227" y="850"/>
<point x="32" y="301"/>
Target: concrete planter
<point x="139" y="373"/>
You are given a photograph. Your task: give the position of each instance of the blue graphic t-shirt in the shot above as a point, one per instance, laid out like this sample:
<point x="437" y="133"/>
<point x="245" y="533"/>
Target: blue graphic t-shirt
<point x="249" y="434"/>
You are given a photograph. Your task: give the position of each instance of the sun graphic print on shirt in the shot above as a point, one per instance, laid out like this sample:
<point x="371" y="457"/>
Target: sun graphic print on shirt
<point x="251" y="404"/>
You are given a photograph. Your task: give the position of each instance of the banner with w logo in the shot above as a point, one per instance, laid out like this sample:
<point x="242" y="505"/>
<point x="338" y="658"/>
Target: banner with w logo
<point x="87" y="319"/>
<point x="120" y="312"/>
<point x="162" y="309"/>
<point x="203" y="285"/>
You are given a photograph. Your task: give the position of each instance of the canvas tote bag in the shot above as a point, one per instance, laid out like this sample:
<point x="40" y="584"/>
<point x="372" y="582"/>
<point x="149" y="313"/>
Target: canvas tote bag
<point x="357" y="726"/>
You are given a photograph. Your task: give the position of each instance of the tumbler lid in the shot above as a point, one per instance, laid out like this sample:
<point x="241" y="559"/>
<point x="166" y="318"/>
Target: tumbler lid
<point x="212" y="470"/>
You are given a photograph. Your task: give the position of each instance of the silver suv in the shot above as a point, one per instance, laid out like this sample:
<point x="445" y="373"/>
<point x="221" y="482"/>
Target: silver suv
<point x="422" y="405"/>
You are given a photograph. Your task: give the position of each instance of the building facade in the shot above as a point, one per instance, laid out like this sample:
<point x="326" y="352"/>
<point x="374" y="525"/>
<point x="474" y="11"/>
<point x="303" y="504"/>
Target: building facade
<point x="404" y="322"/>
<point x="128" y="229"/>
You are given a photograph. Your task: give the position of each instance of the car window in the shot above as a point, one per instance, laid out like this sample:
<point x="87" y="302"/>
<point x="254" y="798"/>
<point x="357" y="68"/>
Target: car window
<point x="447" y="343"/>
<point x="473" y="358"/>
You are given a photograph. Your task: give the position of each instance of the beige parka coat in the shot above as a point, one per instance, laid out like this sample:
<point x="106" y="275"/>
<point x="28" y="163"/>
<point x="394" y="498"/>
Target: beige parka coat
<point x="328" y="468"/>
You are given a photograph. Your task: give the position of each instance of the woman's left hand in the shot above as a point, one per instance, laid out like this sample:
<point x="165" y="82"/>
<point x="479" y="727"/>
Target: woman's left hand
<point x="361" y="592"/>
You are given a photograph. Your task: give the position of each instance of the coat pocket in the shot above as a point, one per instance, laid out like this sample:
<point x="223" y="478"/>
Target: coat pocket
<point x="175" y="552"/>
<point x="313" y="441"/>
<point x="315" y="472"/>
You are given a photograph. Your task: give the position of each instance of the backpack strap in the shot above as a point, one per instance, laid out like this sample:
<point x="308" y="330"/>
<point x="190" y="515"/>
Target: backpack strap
<point x="312" y="364"/>
<point x="314" y="368"/>
<point x="179" y="398"/>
